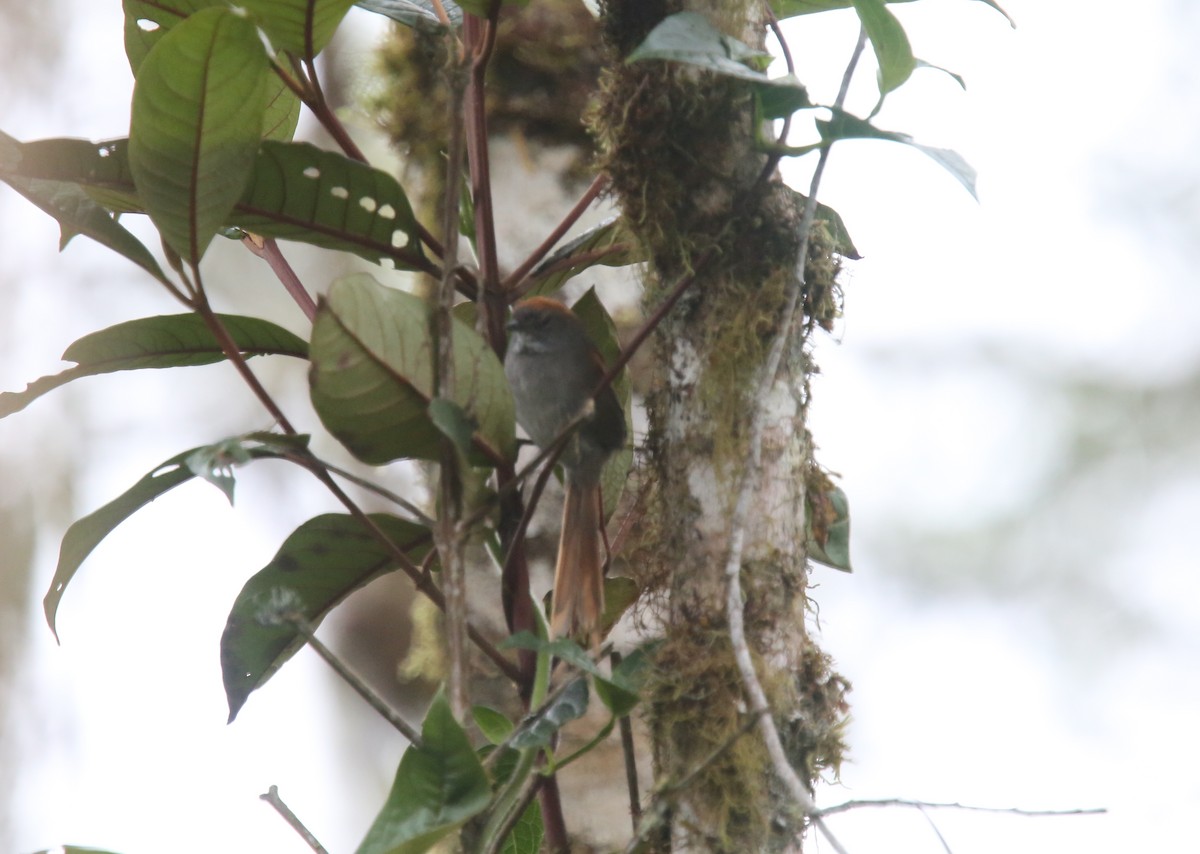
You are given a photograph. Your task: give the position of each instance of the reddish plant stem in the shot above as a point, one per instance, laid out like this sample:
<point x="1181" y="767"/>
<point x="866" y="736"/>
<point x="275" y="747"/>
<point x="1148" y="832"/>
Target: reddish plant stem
<point x="514" y="279"/>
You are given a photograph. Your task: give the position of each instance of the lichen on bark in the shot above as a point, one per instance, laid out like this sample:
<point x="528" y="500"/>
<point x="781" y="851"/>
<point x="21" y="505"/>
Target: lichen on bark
<point x="678" y="145"/>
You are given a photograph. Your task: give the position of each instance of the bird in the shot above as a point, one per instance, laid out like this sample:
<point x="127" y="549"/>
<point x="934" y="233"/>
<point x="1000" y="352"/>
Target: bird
<point x="554" y="370"/>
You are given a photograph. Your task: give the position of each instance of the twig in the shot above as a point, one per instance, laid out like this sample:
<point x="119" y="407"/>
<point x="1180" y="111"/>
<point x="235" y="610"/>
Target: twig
<point x="773" y="159"/>
<point x="639" y="337"/>
<point x="904" y="802"/>
<point x="352" y="679"/>
<point x="272" y="797"/>
<point x="627" y="752"/>
<point x="514" y="279"/>
<point x="418" y="515"/>
<point x="267" y="248"/>
<point x="481" y="38"/>
<point x="733" y="567"/>
<point x="234" y="354"/>
<point x="447" y="536"/>
<point x="933" y="826"/>
<point x="531" y="788"/>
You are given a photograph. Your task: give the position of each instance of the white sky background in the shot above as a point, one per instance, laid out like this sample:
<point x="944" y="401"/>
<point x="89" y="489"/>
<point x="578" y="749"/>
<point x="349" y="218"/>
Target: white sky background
<point x="120" y="733"/>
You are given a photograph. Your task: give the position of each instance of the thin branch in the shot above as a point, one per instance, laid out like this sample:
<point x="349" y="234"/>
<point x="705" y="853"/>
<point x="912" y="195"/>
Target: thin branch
<point x="419" y="516"/>
<point x="449" y="541"/>
<point x="234" y="354"/>
<point x="272" y="797"/>
<point x="422" y="582"/>
<point x="514" y="279"/>
<point x="733" y="568"/>
<point x="627" y="752"/>
<point x="481" y="39"/>
<point x="639" y="338"/>
<point x="936" y="832"/>
<point x="352" y="679"/>
<point x="904" y="802"/>
<point x="267" y="248"/>
<point x="590" y="257"/>
<point x="774" y="158"/>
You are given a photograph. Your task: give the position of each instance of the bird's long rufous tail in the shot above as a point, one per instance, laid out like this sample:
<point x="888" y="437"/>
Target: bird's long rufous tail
<point x="579" y="575"/>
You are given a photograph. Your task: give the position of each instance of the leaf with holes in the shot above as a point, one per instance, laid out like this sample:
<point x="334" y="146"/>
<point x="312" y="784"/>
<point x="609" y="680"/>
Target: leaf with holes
<point x="147" y="21"/>
<point x="301" y="27"/>
<point x="300" y="192"/>
<point x="87" y="533"/>
<point x="75" y="211"/>
<point x="372" y="376"/>
<point x="169" y="341"/>
<point x="439" y="785"/>
<point x="319" y="564"/>
<point x="296" y="192"/>
<point x="196" y="123"/>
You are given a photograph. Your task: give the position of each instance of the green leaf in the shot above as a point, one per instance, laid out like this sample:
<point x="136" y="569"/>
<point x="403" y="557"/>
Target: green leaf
<point x="620" y="593"/>
<point x="452" y="421"/>
<point x="610" y="243"/>
<point x="791" y="8"/>
<point x="539" y="728"/>
<point x="439" y="785"/>
<point x="957" y="78"/>
<point x="562" y="648"/>
<point x="215" y="464"/>
<point x="297" y="192"/>
<point x="603" y="333"/>
<point x="101" y="169"/>
<point x="319" y="564"/>
<point x="147" y="21"/>
<point x="494" y="725"/>
<point x="781" y="96"/>
<point x="845" y="126"/>
<point x="75" y="211"/>
<point x="828" y="524"/>
<point x="197" y="120"/>
<point x="418" y="14"/>
<point x="282" y="113"/>
<point x="87" y="533"/>
<point x="301" y="27"/>
<point x="620" y="692"/>
<point x="688" y="37"/>
<point x="372" y="370"/>
<point x="527" y="833"/>
<point x="168" y="341"/>
<point x="842" y="243"/>
<point x="300" y="192"/>
<point x="888" y="39"/>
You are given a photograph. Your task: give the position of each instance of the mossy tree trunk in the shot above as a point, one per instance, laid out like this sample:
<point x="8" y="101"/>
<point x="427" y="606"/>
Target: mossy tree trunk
<point x="678" y="145"/>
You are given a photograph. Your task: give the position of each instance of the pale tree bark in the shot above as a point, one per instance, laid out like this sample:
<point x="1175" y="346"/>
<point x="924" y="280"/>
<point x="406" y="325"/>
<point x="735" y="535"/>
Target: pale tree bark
<point x="679" y="147"/>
